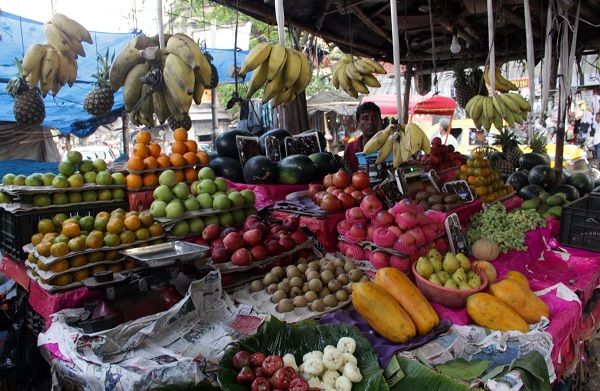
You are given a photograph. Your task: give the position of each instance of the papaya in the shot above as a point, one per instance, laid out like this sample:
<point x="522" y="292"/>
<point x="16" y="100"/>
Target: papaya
<point x="488" y="311"/>
<point x="526" y="303"/>
<point x="518" y="277"/>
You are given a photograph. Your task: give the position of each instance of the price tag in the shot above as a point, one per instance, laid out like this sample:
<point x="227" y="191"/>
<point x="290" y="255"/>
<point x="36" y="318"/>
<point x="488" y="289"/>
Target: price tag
<point x="272" y="148"/>
<point x="401" y="182"/>
<point x="435" y="180"/>
<point x="456" y="238"/>
<point x="248" y="147"/>
<point x="460" y="188"/>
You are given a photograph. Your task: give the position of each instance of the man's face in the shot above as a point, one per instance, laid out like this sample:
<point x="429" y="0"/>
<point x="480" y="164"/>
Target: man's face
<point x="369" y="123"/>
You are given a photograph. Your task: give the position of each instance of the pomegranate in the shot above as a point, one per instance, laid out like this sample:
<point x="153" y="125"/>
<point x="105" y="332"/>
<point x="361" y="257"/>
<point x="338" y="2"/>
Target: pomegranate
<point x="233" y="241"/>
<point x="291" y="223"/>
<point x="360" y="180"/>
<point x="358" y="196"/>
<point x="227" y="231"/>
<point x="337" y="192"/>
<point x="328" y="180"/>
<point x="314" y="188"/>
<point x="252" y="237"/>
<point x="211" y="232"/>
<point x="319" y="197"/>
<point x="346" y="200"/>
<point x="331" y="189"/>
<point x="259" y="253"/>
<point x="286" y="243"/>
<point x="241" y="257"/>
<point x="341" y="179"/>
<point x="298" y="237"/>
<point x="273" y="247"/>
<point x="349" y="190"/>
<point x="216" y="243"/>
<point x="330" y="203"/>
<point x="259" y="225"/>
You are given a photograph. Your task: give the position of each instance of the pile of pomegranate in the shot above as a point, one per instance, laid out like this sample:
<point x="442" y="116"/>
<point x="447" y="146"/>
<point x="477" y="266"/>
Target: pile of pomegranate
<point x="340" y="191"/>
<point x="441" y="156"/>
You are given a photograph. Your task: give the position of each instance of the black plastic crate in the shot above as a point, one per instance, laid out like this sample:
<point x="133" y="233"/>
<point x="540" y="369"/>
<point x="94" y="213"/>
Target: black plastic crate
<point x="16" y="228"/>
<point x="580" y="223"/>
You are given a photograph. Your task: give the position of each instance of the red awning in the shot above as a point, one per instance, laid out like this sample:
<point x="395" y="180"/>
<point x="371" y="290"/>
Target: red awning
<point x="436" y="105"/>
<point x="386" y="103"/>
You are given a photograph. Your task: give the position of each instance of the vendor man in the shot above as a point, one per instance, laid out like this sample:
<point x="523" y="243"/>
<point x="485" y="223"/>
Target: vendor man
<point x="368" y="116"/>
<point x="444" y="134"/>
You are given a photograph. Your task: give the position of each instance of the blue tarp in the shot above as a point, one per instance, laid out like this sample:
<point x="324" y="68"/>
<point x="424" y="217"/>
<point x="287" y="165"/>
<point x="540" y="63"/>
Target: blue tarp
<point x="65" y="111"/>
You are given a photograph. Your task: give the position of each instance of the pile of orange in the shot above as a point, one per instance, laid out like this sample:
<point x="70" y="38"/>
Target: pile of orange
<point x="485" y="182"/>
<point x="148" y="155"/>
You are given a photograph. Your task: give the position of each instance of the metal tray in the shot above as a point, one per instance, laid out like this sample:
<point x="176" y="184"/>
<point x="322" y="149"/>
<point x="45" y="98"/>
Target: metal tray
<point x="165" y="254"/>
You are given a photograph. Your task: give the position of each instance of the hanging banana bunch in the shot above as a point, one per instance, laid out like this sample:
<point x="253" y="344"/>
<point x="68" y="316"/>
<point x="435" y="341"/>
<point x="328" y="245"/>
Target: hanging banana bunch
<point x="502" y="84"/>
<point x="355" y="75"/>
<point x="399" y="141"/>
<point x="283" y="72"/>
<point x="161" y="83"/>
<point x="54" y="64"/>
<point x="488" y="110"/>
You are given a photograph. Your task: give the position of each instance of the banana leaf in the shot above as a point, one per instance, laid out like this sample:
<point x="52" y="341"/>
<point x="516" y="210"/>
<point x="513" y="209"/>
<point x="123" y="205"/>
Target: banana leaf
<point x="419" y="377"/>
<point x="277" y="337"/>
<point x="462" y="369"/>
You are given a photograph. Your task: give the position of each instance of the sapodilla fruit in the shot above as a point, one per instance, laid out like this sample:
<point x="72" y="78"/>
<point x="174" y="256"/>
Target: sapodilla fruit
<point x="379" y="259"/>
<point x="384" y="237"/>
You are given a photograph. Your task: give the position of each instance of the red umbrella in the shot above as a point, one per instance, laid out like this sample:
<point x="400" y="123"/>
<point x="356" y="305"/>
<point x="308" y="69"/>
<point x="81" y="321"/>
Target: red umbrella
<point x="436" y="105"/>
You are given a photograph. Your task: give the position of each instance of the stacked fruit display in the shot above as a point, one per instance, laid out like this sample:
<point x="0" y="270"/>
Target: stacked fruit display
<point x="354" y="75"/>
<point x="401" y="142"/>
<point x="66" y="242"/>
<point x="284" y="72"/>
<point x="430" y="198"/>
<point x="254" y="241"/>
<point x="485" y="182"/>
<point x="340" y="191"/>
<point x="73" y="173"/>
<point x="186" y="71"/>
<point x="148" y="161"/>
<point x="440" y="156"/>
<point x="400" y="234"/>
<point x="510" y="305"/>
<point x="453" y="271"/>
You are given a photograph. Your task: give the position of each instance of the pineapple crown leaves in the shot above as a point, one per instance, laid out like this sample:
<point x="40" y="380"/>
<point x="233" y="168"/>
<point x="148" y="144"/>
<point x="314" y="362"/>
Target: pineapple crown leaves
<point x="506" y="138"/>
<point x="538" y="143"/>
<point x="17" y="85"/>
<point x="104" y="63"/>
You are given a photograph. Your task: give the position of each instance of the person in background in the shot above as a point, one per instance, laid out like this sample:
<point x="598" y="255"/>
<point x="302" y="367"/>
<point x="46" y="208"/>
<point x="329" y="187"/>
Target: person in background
<point x="444" y="134"/>
<point x="368" y="116"/>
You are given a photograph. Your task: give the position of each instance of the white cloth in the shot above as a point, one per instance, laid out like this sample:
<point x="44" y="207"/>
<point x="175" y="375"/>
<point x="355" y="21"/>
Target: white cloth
<point x="450" y="140"/>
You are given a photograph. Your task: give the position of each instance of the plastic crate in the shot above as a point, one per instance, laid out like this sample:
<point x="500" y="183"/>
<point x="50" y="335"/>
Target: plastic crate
<point x="580" y="223"/>
<point x="16" y="228"/>
<point x="377" y="172"/>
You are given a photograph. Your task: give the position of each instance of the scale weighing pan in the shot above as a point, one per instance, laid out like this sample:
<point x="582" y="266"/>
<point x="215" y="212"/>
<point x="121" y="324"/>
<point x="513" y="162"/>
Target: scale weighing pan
<point x="165" y="254"/>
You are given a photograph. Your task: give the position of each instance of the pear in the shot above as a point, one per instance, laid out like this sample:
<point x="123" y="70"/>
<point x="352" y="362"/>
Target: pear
<point x="450" y="263"/>
<point x="465" y="264"/>
<point x="474" y="282"/>
<point x="435" y="254"/>
<point x="433" y="278"/>
<point x="450" y="284"/>
<point x="437" y="264"/>
<point x="464" y="285"/>
<point x="424" y="267"/>
<point x="459" y="276"/>
<point x="471" y="274"/>
<point x="443" y="276"/>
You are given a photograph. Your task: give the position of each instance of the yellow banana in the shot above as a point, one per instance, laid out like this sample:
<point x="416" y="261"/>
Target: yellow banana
<point x="384" y="151"/>
<point x="304" y="78"/>
<point x="396" y="153"/>
<point x="283" y="98"/>
<point x="181" y="72"/>
<point x="62" y="74"/>
<point x="415" y="134"/>
<point x="343" y="79"/>
<point x="277" y="60"/>
<point x="174" y="91"/>
<point x="186" y="49"/>
<point x="359" y="86"/>
<point x="160" y="107"/>
<point x="378" y="140"/>
<point x="55" y="87"/>
<point x="274" y="87"/>
<point x="258" y="55"/>
<point x="198" y="87"/>
<point x="346" y="59"/>
<point x="489" y="107"/>
<point x="173" y="103"/>
<point x="499" y="106"/>
<point x="509" y="118"/>
<point x="377" y="66"/>
<point x="506" y="84"/>
<point x="523" y="104"/>
<point x="71" y="28"/>
<point x="258" y="79"/>
<point x="132" y="88"/>
<point x="205" y="71"/>
<point x="49" y="69"/>
<point x="352" y="92"/>
<point x="352" y="72"/>
<point x="293" y="64"/>
<point x="334" y="78"/>
<point x="498" y="124"/>
<point x="469" y="105"/>
<point x="499" y="85"/>
<point x="72" y="72"/>
<point x="509" y="103"/>
<point x="477" y="108"/>
<point x="371" y="80"/>
<point x="59" y="40"/>
<point x="364" y="67"/>
<point x="32" y="63"/>
<point x="121" y="66"/>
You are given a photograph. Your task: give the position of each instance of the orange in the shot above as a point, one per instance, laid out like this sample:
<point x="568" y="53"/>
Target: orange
<point x="163" y="161"/>
<point x="471" y="180"/>
<point x="203" y="158"/>
<point x="156" y="229"/>
<point x="154" y="150"/>
<point x="132" y="223"/>
<point x="143" y="137"/>
<point x="114" y="226"/>
<point x="464" y="169"/>
<point x="190" y="174"/>
<point x="178" y="147"/>
<point x="177" y="160"/>
<point x="70" y="230"/>
<point x="191" y="146"/>
<point x="59" y="266"/>
<point x="190" y="158"/>
<point x="135" y="163"/>
<point x="180" y="176"/>
<point x="180" y="134"/>
<point x="150" y="162"/>
<point x="133" y="181"/>
<point x="150" y="180"/>
<point x="140" y="150"/>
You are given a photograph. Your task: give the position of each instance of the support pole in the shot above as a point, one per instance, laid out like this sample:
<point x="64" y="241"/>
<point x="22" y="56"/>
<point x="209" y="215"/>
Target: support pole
<point x="492" y="68"/>
<point x="396" y="46"/>
<point x="530" y="61"/>
<point x="407" y="82"/>
<point x="213" y="109"/>
<point x="280" y="18"/>
<point x="125" y="119"/>
<point x="159" y="21"/>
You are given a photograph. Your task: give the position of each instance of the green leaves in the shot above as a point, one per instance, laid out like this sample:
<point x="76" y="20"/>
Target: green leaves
<point x="418" y="377"/>
<point x="462" y="369"/>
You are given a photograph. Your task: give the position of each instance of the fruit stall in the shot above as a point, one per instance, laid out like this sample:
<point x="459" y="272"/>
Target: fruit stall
<point x="272" y="266"/>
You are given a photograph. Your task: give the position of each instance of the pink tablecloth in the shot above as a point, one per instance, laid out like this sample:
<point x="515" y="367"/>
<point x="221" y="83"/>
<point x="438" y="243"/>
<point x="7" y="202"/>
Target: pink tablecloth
<point x="267" y="195"/>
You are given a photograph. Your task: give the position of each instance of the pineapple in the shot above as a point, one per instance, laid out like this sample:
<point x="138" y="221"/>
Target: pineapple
<point x="29" y="109"/>
<point x="538" y="143"/>
<point x="510" y="146"/>
<point x="467" y="83"/>
<point x="186" y="123"/>
<point x="100" y="100"/>
<point x="214" y="75"/>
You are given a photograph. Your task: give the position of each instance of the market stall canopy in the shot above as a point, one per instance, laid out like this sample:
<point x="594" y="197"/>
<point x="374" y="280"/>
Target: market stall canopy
<point x="386" y="103"/>
<point x="436" y="105"/>
<point x="364" y="27"/>
<point x="65" y="111"/>
<point x="327" y="101"/>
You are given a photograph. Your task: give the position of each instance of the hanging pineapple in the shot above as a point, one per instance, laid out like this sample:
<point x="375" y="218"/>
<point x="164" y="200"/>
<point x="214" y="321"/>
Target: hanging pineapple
<point x="214" y="75"/>
<point x="29" y="109"/>
<point x="100" y="100"/>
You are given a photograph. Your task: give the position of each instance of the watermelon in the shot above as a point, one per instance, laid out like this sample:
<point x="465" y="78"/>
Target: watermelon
<point x="582" y="182"/>
<point x="517" y="180"/>
<point x="542" y="175"/>
<point x="320" y="135"/>
<point x="279" y="134"/>
<point x="295" y="169"/>
<point x="570" y="191"/>
<point x="530" y="191"/>
<point x="228" y="168"/>
<point x="260" y="169"/>
<point x="530" y="160"/>
<point x="325" y="162"/>
<point x="226" y="145"/>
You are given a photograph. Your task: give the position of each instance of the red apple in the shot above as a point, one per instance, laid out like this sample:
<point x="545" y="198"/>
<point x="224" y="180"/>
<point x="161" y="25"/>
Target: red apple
<point x="360" y="180"/>
<point x="220" y="255"/>
<point x="349" y="189"/>
<point x="252" y="237"/>
<point x="384" y="218"/>
<point x="233" y="241"/>
<point x="211" y="232"/>
<point x="273" y="247"/>
<point x="370" y="232"/>
<point x="259" y="225"/>
<point x="201" y="242"/>
<point x="368" y="191"/>
<point x="370" y="204"/>
<point x="291" y="223"/>
<point x="395" y="229"/>
<point x="331" y="189"/>
<point x="259" y="253"/>
<point x="250" y="220"/>
<point x="227" y="231"/>
<point x="217" y="243"/>
<point x="286" y="243"/>
<point x="436" y="141"/>
<point x="341" y="179"/>
<point x="337" y="192"/>
<point x="358" y="196"/>
<point x="241" y="257"/>
<point x="275" y="227"/>
<point x="346" y="200"/>
<point x="355" y="214"/>
<point x="358" y="231"/>
<point x="280" y="234"/>
<point x="298" y="236"/>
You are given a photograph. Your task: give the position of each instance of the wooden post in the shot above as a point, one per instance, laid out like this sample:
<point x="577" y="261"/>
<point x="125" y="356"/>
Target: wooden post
<point x="125" y="120"/>
<point x="396" y="47"/>
<point x="407" y="82"/>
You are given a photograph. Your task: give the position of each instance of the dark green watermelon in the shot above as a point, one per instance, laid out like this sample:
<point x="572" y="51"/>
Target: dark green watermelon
<point x="517" y="180"/>
<point x="320" y="135"/>
<point x="279" y="134"/>
<point x="296" y="169"/>
<point x="260" y="169"/>
<point x="325" y="162"/>
<point x="582" y="182"/>
<point x="542" y="175"/>
<point x="570" y="191"/>
<point x="226" y="145"/>
<point x="530" y="191"/>
<point x="228" y="168"/>
<point x="532" y="159"/>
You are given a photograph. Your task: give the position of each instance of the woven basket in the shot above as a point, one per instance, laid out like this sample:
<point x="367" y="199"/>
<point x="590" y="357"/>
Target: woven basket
<point x="453" y="298"/>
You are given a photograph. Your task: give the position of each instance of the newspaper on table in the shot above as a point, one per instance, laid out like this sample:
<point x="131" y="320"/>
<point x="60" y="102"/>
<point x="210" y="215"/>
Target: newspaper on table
<point x="179" y="346"/>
